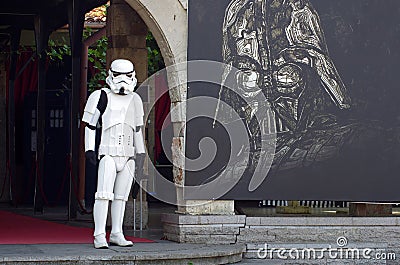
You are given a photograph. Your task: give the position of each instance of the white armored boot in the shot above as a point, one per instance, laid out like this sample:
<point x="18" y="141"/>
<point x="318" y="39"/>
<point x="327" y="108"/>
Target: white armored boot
<point x="117" y="218"/>
<point x="100" y="210"/>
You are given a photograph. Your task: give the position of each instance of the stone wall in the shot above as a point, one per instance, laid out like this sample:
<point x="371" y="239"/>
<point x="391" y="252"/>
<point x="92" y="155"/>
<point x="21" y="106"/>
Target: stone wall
<point x="381" y="234"/>
<point x="377" y="233"/>
<point x="320" y="230"/>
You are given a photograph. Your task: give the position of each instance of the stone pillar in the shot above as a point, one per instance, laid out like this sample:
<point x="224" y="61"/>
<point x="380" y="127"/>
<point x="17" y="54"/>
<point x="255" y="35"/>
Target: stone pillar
<point x="177" y="81"/>
<point x="196" y="221"/>
<point x="202" y="229"/>
<point x="126" y="33"/>
<point x="3" y="128"/>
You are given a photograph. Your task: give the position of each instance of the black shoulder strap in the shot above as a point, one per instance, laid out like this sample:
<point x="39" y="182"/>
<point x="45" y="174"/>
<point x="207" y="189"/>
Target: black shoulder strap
<point x="102" y="104"/>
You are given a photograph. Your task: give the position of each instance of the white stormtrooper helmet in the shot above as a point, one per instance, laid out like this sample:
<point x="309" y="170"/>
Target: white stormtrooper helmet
<point x="121" y="77"/>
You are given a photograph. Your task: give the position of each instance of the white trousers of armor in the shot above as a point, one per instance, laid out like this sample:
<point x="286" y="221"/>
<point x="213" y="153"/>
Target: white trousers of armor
<point x="115" y="178"/>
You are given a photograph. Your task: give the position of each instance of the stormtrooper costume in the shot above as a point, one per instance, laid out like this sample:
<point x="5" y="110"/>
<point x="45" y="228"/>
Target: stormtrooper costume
<point x="121" y="148"/>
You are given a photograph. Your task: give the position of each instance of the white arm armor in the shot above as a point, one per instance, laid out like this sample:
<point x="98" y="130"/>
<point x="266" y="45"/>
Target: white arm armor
<point x="90" y="117"/>
<point x="139" y="142"/>
<point x="90" y="139"/>
<point x="138" y="134"/>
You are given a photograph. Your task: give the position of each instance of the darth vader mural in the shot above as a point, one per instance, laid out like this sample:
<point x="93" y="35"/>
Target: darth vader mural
<point x="333" y="139"/>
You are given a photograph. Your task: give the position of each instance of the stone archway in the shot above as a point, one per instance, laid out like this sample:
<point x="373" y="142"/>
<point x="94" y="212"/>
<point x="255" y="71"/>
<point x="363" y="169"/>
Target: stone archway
<point x="167" y="20"/>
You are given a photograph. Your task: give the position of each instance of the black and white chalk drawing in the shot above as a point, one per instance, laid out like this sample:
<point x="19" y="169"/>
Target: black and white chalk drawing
<point x="322" y="136"/>
<point x="281" y="48"/>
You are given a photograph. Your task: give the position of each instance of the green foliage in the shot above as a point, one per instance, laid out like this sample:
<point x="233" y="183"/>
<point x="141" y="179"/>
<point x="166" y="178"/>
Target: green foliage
<point x="97" y="56"/>
<point x="155" y="59"/>
<point x="58" y="51"/>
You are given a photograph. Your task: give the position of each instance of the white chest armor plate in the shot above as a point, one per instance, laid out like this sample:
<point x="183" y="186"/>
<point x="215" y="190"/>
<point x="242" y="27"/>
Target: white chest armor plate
<point x="118" y="125"/>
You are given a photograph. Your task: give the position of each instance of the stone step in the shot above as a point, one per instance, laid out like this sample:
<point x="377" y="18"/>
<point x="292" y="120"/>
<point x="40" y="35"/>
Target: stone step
<point x="148" y="253"/>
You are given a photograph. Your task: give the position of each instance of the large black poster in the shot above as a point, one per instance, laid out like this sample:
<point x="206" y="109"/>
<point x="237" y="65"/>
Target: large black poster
<point x="310" y="87"/>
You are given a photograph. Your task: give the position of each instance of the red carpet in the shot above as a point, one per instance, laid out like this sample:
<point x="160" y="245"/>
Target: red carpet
<point x="20" y="229"/>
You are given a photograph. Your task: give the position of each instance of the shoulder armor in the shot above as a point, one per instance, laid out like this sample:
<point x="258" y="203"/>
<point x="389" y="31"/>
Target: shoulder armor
<point x="92" y="102"/>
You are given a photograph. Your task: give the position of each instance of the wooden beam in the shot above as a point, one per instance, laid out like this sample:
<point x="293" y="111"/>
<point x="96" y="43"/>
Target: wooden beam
<point x="76" y="18"/>
<point x="85" y="191"/>
<point x="41" y="36"/>
<point x="15" y="39"/>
